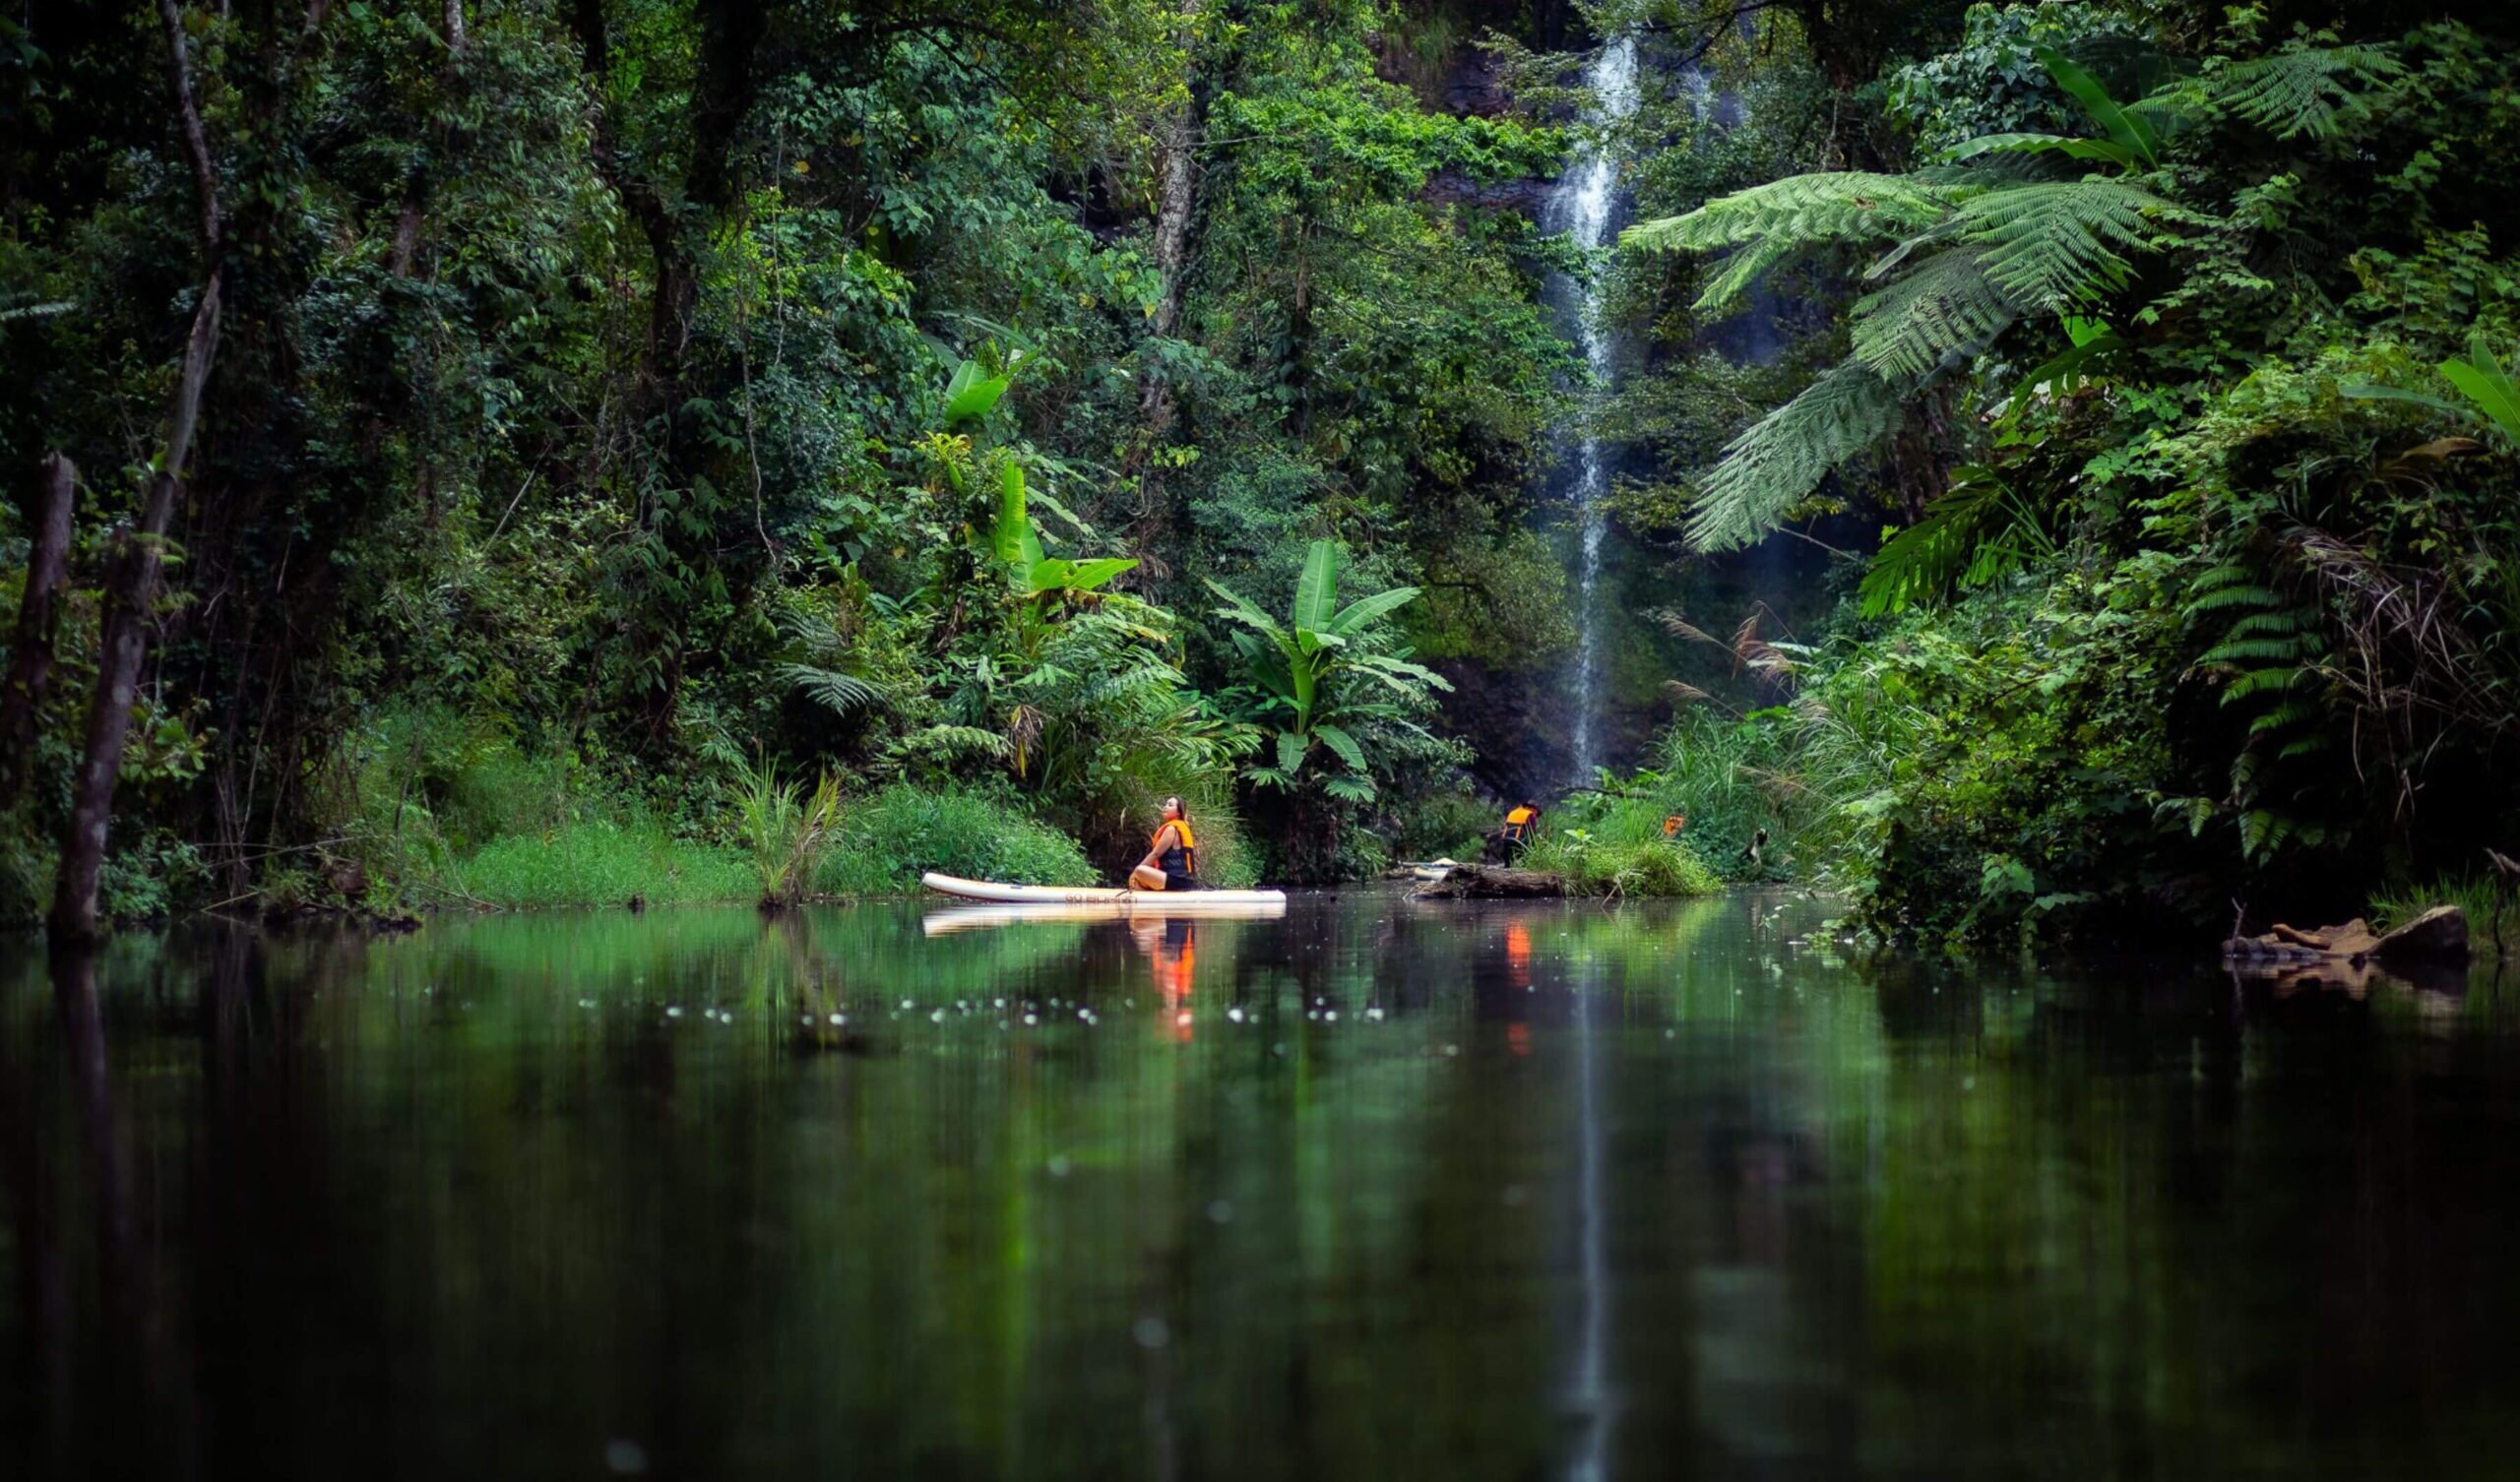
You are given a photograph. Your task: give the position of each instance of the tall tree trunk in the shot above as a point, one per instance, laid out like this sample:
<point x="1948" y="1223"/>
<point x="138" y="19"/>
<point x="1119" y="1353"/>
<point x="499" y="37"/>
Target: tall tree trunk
<point x="729" y="40"/>
<point x="1176" y="199"/>
<point x="39" y="615"/>
<point x="416" y="190"/>
<point x="131" y="586"/>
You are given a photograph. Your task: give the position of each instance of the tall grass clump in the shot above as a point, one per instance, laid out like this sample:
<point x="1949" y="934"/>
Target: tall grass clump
<point x="1733" y="780"/>
<point x="786" y="830"/>
<point x="600" y="861"/>
<point x="884" y="843"/>
<point x="2493" y="910"/>
<point x="1621" y="850"/>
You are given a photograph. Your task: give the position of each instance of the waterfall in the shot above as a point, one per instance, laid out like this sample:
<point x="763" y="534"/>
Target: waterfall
<point x="1583" y="205"/>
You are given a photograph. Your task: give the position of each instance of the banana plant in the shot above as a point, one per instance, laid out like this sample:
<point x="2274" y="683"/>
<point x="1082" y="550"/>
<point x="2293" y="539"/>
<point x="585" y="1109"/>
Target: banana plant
<point x="1314" y="671"/>
<point x="1037" y="577"/>
<point x="2482" y="378"/>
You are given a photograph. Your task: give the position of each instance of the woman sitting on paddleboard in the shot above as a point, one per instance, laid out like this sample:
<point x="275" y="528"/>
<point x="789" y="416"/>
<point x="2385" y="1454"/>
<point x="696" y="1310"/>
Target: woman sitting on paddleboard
<point x="1171" y="860"/>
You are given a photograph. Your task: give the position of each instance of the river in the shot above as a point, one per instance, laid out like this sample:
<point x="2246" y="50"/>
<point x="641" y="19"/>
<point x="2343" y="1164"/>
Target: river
<point x="1376" y="1191"/>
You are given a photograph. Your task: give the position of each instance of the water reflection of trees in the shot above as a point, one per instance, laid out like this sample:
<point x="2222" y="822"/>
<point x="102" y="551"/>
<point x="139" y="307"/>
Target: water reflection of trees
<point x="1863" y="1216"/>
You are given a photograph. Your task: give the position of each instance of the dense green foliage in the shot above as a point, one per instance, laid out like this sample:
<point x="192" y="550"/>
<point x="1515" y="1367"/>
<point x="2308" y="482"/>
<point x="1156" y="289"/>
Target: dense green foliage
<point x="2170" y="351"/>
<point x="623" y="405"/>
<point x="651" y="389"/>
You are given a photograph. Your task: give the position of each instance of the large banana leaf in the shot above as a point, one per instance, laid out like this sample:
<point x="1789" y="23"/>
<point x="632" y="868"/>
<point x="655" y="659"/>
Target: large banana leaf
<point x="1363" y="610"/>
<point x="1012" y="539"/>
<point x="1342" y="743"/>
<point x="2486" y="383"/>
<point x="973" y="393"/>
<point x="2124" y="125"/>
<point x="1317" y="589"/>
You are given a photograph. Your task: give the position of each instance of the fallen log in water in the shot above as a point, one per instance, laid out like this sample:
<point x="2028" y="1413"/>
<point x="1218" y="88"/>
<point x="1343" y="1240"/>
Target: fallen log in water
<point x="1481" y="881"/>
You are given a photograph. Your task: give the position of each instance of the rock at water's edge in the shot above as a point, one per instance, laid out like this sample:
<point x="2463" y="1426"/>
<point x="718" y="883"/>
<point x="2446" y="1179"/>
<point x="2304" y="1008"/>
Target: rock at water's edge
<point x="2439" y="934"/>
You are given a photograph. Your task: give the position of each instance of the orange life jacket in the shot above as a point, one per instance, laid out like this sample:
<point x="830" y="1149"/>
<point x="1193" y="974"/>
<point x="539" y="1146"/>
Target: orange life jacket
<point x="1185" y="848"/>
<point x="1518" y="823"/>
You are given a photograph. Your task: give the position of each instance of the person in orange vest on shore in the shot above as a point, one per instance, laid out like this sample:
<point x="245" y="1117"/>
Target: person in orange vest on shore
<point x="1171" y="860"/>
<point x="1673" y="822"/>
<point x="1522" y="826"/>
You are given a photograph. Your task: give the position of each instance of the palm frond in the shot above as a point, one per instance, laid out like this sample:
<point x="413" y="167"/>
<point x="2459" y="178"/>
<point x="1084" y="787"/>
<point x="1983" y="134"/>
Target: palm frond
<point x="1785" y="455"/>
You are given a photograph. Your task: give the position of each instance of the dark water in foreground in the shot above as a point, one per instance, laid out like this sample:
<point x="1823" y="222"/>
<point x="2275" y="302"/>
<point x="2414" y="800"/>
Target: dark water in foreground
<point x="1378" y="1190"/>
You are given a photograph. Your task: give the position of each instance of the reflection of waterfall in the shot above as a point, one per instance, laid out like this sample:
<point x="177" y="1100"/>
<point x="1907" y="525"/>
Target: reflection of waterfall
<point x="1590" y="1397"/>
<point x="1582" y="207"/>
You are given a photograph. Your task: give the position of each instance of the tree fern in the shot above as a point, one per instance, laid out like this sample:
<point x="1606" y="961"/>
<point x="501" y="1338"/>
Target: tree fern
<point x="1975" y="533"/>
<point x="1832" y="206"/>
<point x="1771" y="222"/>
<point x="2054" y="244"/>
<point x="843" y="695"/>
<point x="1785" y="455"/>
<point x="1945" y="307"/>
<point x="2303" y="89"/>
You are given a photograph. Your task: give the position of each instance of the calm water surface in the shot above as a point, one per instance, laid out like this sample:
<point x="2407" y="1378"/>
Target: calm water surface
<point x="1378" y="1191"/>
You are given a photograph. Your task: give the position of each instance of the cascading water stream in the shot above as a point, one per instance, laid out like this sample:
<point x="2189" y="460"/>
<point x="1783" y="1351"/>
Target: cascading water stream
<point x="1586" y="199"/>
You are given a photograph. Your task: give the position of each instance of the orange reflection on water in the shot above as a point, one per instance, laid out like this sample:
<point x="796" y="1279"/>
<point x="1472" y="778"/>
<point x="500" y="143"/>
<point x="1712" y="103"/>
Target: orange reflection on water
<point x="1172" y="947"/>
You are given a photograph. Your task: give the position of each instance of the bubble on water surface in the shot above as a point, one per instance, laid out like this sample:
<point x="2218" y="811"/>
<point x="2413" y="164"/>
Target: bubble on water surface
<point x="1151" y="1332"/>
<point x="1220" y="1211"/>
<point x="1060" y="1166"/>
<point x="625" y="1458"/>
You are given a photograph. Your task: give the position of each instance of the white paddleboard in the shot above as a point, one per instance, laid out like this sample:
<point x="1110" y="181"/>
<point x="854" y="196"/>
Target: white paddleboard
<point x="1136" y="901"/>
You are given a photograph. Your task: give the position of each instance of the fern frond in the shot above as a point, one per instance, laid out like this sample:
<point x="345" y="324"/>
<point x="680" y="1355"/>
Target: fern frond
<point x="2233" y="596"/>
<point x="2303" y="89"/>
<point x="2057" y="244"/>
<point x="948" y="741"/>
<point x="1785" y="455"/>
<point x="2225" y="575"/>
<point x="2260" y="682"/>
<point x="1835" y="206"/>
<point x="2266" y="623"/>
<point x="2271" y="650"/>
<point x="1943" y="308"/>
<point x="1973" y="534"/>
<point x="843" y="695"/>
<point x="1746" y="266"/>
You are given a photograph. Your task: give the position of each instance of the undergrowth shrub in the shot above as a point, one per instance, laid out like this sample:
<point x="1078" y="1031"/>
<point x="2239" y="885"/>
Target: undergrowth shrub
<point x="601" y="861"/>
<point x="886" y="841"/>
